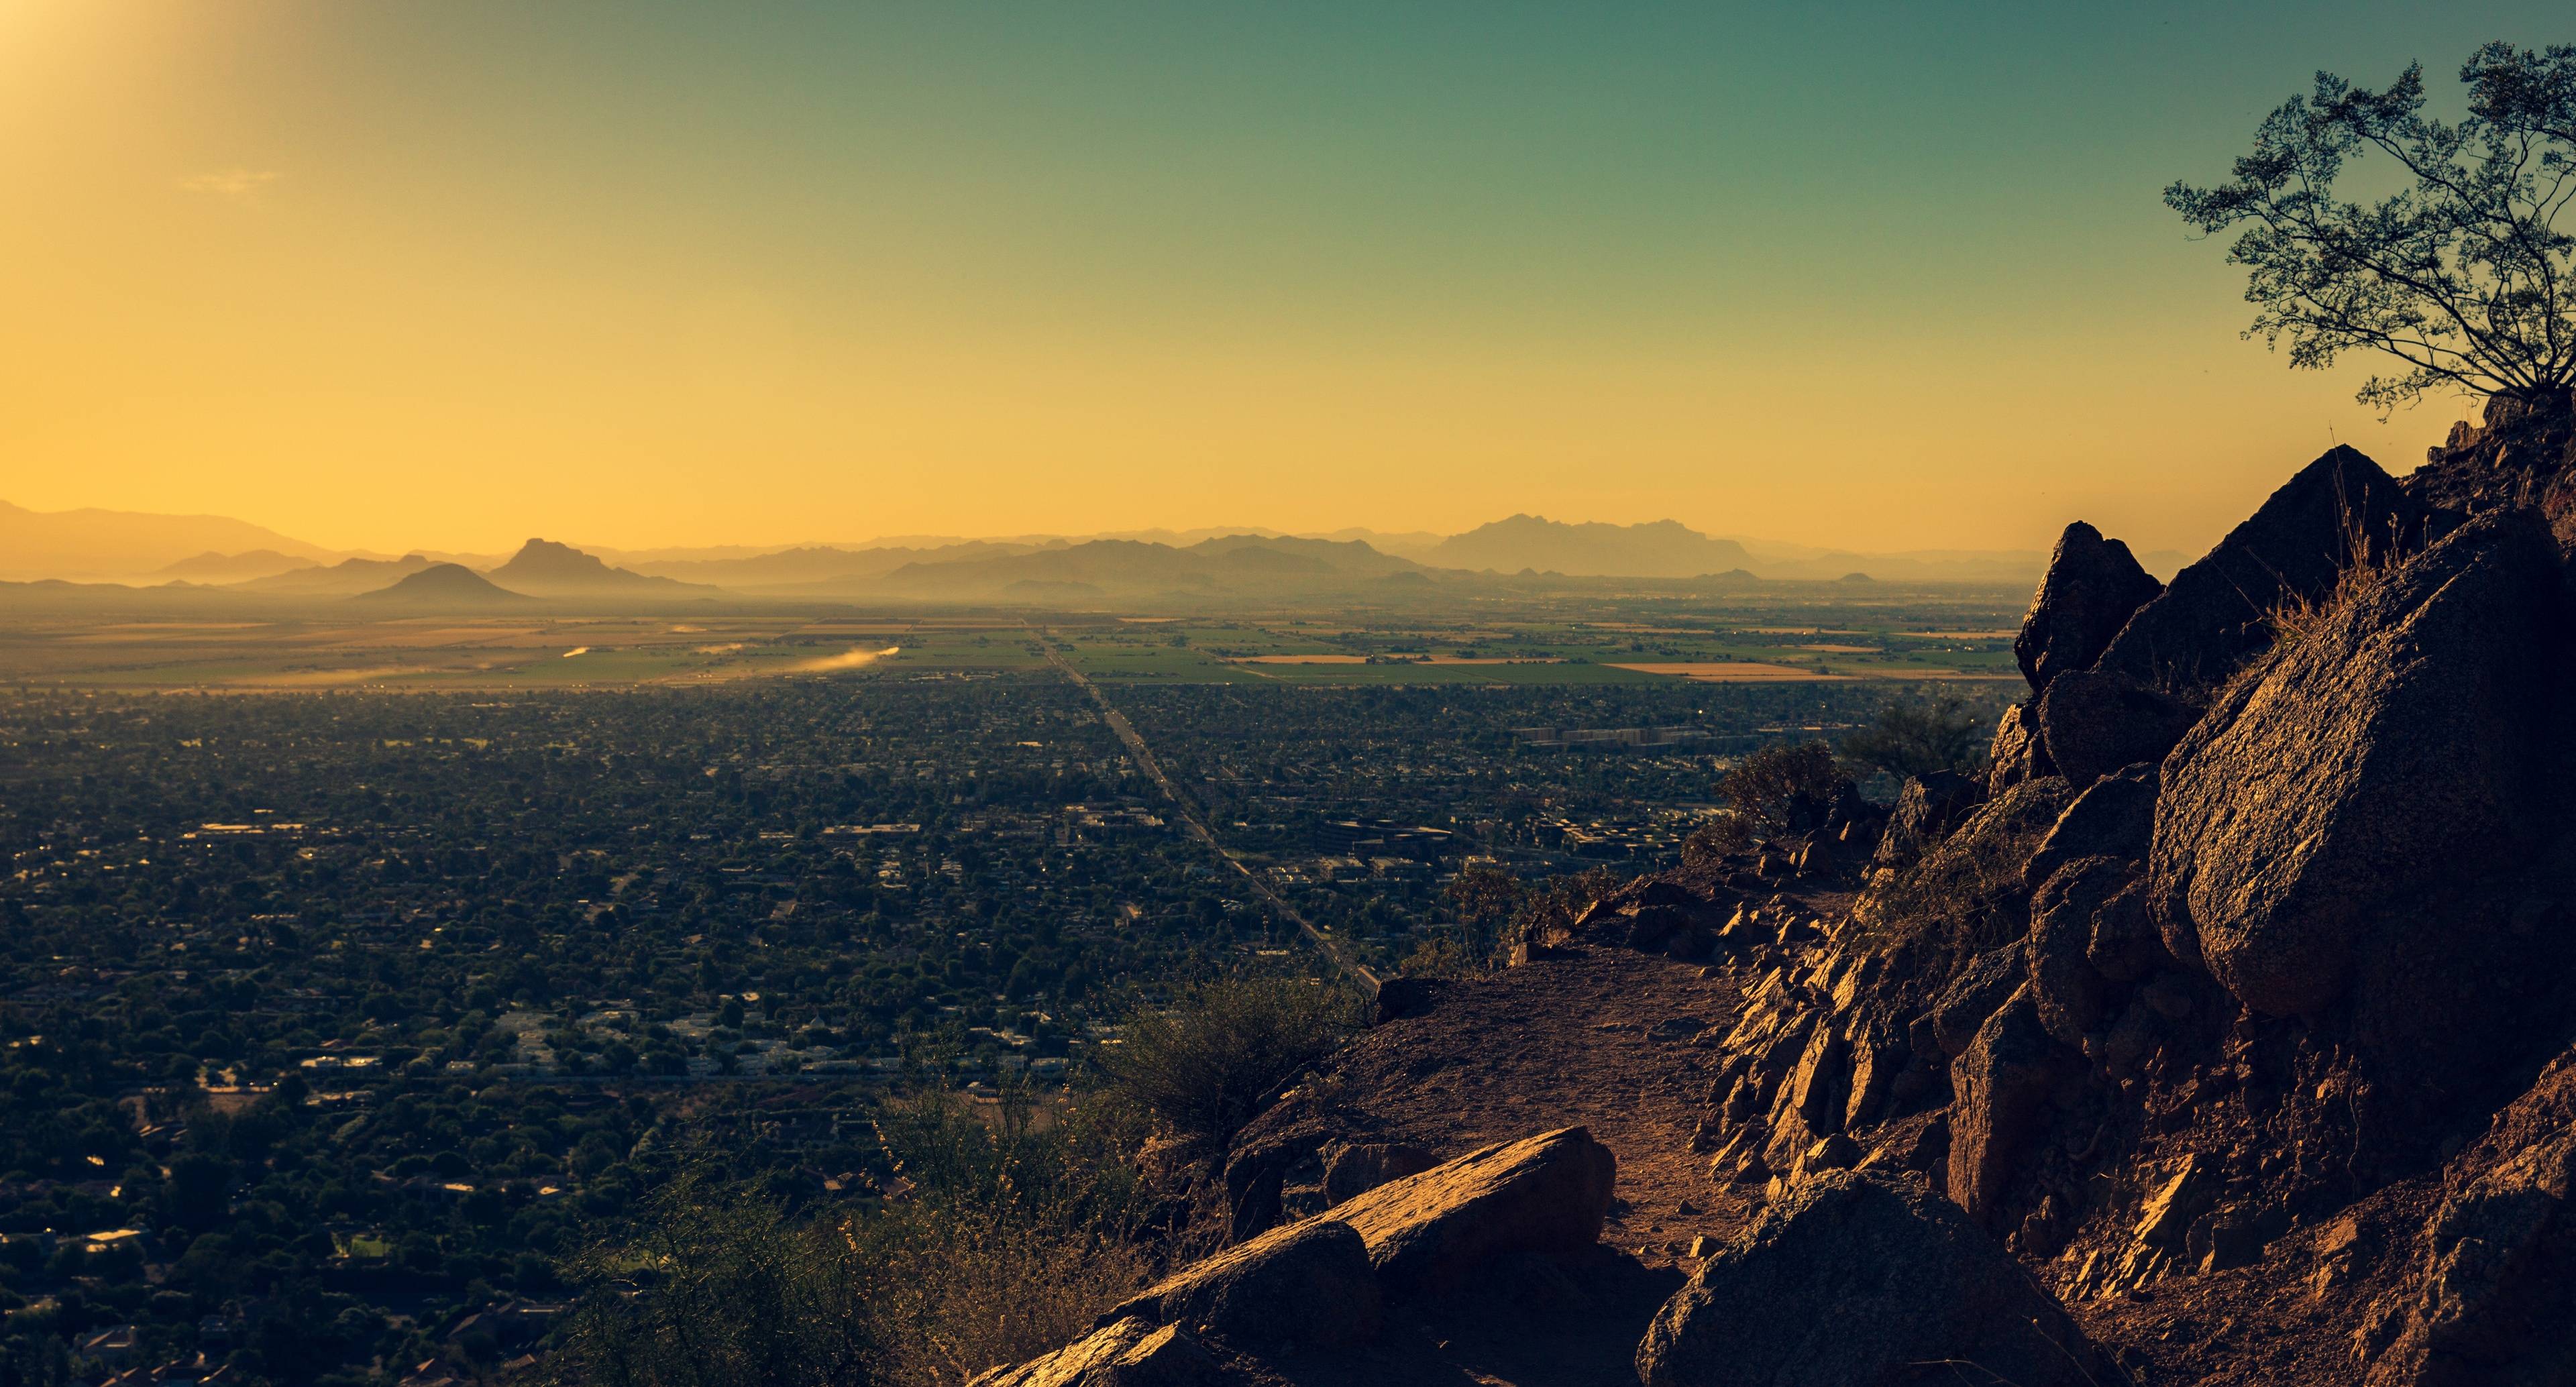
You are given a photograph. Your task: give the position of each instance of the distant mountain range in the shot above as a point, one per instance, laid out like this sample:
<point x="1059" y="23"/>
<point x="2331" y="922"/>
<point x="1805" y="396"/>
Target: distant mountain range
<point x="96" y="544"/>
<point x="225" y="556"/>
<point x="1658" y="549"/>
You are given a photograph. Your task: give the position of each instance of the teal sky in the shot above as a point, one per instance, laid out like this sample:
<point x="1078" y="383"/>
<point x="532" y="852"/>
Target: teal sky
<point x="451" y="273"/>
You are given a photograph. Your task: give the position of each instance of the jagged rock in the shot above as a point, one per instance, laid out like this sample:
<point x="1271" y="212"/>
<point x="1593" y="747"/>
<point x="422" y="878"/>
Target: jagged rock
<point x="2174" y="1202"/>
<point x="2115" y="816"/>
<point x="1984" y="985"/>
<point x="1130" y="1353"/>
<point x="1875" y="1063"/>
<point x="2395" y="748"/>
<point x="2212" y="615"/>
<point x="1309" y="1283"/>
<point x="2522" y="452"/>
<point x="1860" y="1278"/>
<point x="1818" y="1086"/>
<point x="2069" y="993"/>
<point x="2001" y="1083"/>
<point x="1426" y="1233"/>
<point x="1355" y="1168"/>
<point x="2091" y="587"/>
<point x="1926" y="810"/>
<point x="2016" y="754"/>
<point x="2095" y="722"/>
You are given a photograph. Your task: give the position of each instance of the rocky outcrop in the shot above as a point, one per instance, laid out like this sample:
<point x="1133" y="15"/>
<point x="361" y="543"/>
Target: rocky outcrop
<point x="2393" y="748"/>
<point x="1862" y="1278"/>
<point x="2094" y="723"/>
<point x="2211" y="617"/>
<point x="1309" y="1283"/>
<point x="2091" y="588"/>
<point x="1427" y="1233"/>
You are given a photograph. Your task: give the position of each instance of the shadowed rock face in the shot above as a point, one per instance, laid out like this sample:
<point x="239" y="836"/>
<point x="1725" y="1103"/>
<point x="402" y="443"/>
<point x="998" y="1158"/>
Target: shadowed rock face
<point x="2211" y="617"/>
<point x="2392" y="750"/>
<point x="1860" y="1278"/>
<point x="2091" y="587"/>
<point x="2095" y="722"/>
<point x="2115" y="817"/>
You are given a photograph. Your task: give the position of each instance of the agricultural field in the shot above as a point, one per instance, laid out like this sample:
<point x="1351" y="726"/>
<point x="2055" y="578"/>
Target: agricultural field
<point x="1783" y="632"/>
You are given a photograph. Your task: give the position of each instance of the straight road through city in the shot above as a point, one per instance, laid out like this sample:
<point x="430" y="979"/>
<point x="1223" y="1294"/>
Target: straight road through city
<point x="1187" y="810"/>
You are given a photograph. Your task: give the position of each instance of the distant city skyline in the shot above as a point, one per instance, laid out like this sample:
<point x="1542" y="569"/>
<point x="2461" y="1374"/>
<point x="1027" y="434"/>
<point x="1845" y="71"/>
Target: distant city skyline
<point x="649" y="275"/>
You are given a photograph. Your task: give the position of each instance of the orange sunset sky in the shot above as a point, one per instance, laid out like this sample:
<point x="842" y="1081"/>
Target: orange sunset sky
<point x="415" y="274"/>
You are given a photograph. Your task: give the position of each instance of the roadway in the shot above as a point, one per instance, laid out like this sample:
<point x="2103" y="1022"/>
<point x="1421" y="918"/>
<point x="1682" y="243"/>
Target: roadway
<point x="1187" y="811"/>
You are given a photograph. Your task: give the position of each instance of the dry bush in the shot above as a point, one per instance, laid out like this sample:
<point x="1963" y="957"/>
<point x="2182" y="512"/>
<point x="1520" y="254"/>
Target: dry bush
<point x="1717" y="835"/>
<point x="1204" y="1068"/>
<point x="1014" y="1235"/>
<point x="1917" y="734"/>
<point x="1966" y="895"/>
<point x="1786" y="788"/>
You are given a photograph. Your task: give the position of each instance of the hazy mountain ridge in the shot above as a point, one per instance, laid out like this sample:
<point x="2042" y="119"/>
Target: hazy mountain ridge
<point x="91" y="543"/>
<point x="1655" y="549"/>
<point x="139" y="548"/>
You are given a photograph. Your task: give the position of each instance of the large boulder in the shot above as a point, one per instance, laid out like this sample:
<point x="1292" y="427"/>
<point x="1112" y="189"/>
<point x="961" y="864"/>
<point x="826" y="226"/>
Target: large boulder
<point x="1308" y="1283"/>
<point x="2095" y="722"/>
<point x="2091" y="587"/>
<point x="2393" y="750"/>
<point x="1860" y="1279"/>
<point x="2001" y="1084"/>
<point x="1427" y="1233"/>
<point x="2114" y="817"/>
<point x="2213" y="615"/>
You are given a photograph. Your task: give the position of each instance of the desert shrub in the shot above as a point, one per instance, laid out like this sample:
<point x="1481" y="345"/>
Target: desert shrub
<point x="1916" y="735"/>
<point x="1716" y="836"/>
<point x="1548" y="910"/>
<point x="1011" y="1235"/>
<point x="1486" y="898"/>
<point x="1016" y="1235"/>
<point x="717" y="1287"/>
<point x="1966" y="895"/>
<point x="1786" y="787"/>
<point x="1203" y="1068"/>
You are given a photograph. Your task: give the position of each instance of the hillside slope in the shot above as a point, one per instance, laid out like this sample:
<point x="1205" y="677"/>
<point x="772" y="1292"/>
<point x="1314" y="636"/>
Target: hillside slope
<point x="2222" y="1031"/>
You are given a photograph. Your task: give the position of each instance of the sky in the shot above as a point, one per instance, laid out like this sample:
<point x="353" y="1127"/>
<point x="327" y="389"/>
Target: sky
<point x="447" y="274"/>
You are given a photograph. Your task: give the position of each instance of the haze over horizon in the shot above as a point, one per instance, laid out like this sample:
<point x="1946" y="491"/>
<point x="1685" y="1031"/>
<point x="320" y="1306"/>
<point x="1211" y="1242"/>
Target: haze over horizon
<point x="406" y="276"/>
